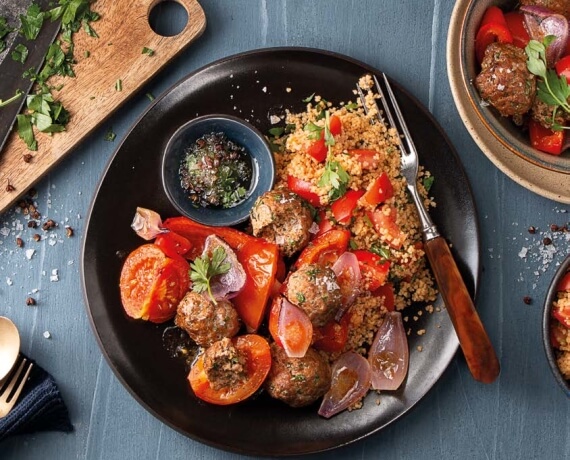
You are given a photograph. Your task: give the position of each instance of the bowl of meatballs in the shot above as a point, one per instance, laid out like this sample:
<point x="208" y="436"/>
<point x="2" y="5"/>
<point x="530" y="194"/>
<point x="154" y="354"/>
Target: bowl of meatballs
<point x="513" y="72"/>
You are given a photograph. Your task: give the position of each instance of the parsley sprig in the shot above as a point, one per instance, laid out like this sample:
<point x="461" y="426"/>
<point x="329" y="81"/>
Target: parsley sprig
<point x="551" y="89"/>
<point x="204" y="268"/>
<point x="5" y="29"/>
<point x="334" y="174"/>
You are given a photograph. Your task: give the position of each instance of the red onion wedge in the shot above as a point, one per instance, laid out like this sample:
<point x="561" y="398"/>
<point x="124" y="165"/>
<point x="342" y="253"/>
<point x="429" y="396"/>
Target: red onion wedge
<point x="147" y="224"/>
<point x="232" y="282"/>
<point x="389" y="355"/>
<point x="294" y="329"/>
<point x="350" y="382"/>
<point x="348" y="276"/>
<point x="542" y="22"/>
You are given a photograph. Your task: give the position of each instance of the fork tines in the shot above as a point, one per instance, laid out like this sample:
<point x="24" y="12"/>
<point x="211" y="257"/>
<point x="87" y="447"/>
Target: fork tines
<point x="12" y="385"/>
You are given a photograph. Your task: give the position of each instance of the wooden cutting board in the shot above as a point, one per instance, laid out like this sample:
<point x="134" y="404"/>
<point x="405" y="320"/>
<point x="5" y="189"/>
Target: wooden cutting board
<point x="91" y="97"/>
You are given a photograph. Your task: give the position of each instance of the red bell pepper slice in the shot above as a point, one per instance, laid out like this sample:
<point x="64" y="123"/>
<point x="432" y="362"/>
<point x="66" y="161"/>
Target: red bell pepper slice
<point x="325" y="248"/>
<point x="343" y="208"/>
<point x="516" y="25"/>
<point x="380" y="190"/>
<point x="563" y="67"/>
<point x="488" y="34"/>
<point x="493" y="15"/>
<point x="373" y="268"/>
<point x="303" y="189"/>
<point x="258" y="257"/>
<point x="545" y="139"/>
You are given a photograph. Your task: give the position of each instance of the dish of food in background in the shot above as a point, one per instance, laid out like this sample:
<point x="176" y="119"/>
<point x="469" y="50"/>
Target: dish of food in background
<point x="499" y="139"/>
<point x="556" y="326"/>
<point x="260" y="85"/>
<point x="214" y="168"/>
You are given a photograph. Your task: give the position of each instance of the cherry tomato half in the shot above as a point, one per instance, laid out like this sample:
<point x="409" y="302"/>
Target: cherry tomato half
<point x="173" y="245"/>
<point x="152" y="284"/>
<point x="563" y="67"/>
<point x="318" y="150"/>
<point x="332" y="337"/>
<point x="258" y="361"/>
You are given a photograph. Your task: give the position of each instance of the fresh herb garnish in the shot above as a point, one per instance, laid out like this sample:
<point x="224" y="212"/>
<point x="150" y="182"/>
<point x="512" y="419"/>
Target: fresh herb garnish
<point x="380" y="251"/>
<point x="351" y="106"/>
<point x="313" y="130"/>
<point x="110" y="135"/>
<point x="309" y="98"/>
<point x="428" y="182"/>
<point x="5" y="29"/>
<point x="204" y="268"/>
<point x="12" y="99"/>
<point x="32" y="21"/>
<point x="25" y="131"/>
<point x="277" y="131"/>
<point x="150" y="96"/>
<point x="334" y="174"/>
<point x="551" y="89"/>
<point x="148" y="51"/>
<point x="20" y="53"/>
<point x="119" y="85"/>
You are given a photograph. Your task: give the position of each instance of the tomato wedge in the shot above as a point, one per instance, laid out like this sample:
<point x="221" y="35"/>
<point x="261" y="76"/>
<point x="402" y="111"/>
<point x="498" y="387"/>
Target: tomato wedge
<point x="385" y="224"/>
<point x="544" y="139"/>
<point x="563" y="67"/>
<point x="343" y="208"/>
<point x="258" y="360"/>
<point x="173" y="245"/>
<point x="303" y="189"/>
<point x="258" y="257"/>
<point x="368" y="158"/>
<point x="152" y="284"/>
<point x="325" y="248"/>
<point x="335" y="125"/>
<point x="318" y="150"/>
<point x="380" y="191"/>
<point x="373" y="268"/>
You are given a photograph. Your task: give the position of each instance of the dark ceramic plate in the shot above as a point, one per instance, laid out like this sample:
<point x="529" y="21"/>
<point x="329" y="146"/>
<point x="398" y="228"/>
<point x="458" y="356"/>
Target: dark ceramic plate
<point x="254" y="86"/>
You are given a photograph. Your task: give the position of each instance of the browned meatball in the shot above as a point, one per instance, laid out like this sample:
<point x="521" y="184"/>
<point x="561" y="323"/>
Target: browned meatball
<point x="542" y="113"/>
<point x="204" y="321"/>
<point x="557" y="6"/>
<point x="314" y="289"/>
<point x="505" y="81"/>
<point x="284" y="218"/>
<point x="297" y="381"/>
<point x="224" y="365"/>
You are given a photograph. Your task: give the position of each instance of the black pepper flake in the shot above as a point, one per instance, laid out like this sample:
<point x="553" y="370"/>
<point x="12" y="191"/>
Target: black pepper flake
<point x="36" y="215"/>
<point x="527" y="300"/>
<point x="547" y="241"/>
<point x="30" y="301"/>
<point x="49" y="224"/>
<point x="532" y="230"/>
<point x="28" y="157"/>
<point x="19" y="242"/>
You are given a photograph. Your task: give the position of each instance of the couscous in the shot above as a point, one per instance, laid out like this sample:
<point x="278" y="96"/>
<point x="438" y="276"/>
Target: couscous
<point x="561" y="327"/>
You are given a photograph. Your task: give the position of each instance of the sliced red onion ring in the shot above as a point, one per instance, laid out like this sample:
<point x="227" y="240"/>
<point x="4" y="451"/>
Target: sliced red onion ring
<point x="389" y="355"/>
<point x="542" y="22"/>
<point x="231" y="283"/>
<point x="294" y="329"/>
<point x="349" y="278"/>
<point x="350" y="382"/>
<point x="147" y="224"/>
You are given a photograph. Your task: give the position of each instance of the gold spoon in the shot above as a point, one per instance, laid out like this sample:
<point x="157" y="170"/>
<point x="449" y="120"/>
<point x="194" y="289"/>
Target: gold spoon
<point x="9" y="346"/>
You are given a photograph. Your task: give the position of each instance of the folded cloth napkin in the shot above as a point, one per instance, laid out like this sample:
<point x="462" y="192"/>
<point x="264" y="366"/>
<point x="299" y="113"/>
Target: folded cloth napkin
<point x="39" y="407"/>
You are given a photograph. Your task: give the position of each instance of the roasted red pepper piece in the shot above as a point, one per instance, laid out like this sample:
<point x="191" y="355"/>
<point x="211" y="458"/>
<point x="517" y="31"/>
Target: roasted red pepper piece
<point x="380" y="190"/>
<point x="303" y="189"/>
<point x="343" y="208"/>
<point x="258" y="257"/>
<point x="515" y="23"/>
<point x="544" y="139"/>
<point x="173" y="245"/>
<point x="325" y="248"/>
<point x="332" y="337"/>
<point x="493" y="28"/>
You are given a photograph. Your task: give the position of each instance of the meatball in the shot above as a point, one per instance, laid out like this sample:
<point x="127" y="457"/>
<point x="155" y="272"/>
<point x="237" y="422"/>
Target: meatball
<point x="542" y="113"/>
<point x="204" y="321"/>
<point x="557" y="6"/>
<point x="224" y="365"/>
<point x="505" y="81"/>
<point x="297" y="381"/>
<point x="314" y="289"/>
<point x="284" y="218"/>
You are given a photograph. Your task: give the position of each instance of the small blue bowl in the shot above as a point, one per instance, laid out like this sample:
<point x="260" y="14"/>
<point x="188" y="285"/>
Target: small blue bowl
<point x="546" y="321"/>
<point x="237" y="131"/>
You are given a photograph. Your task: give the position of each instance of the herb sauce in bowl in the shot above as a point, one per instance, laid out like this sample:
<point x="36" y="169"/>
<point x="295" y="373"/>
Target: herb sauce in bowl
<point x="215" y="171"/>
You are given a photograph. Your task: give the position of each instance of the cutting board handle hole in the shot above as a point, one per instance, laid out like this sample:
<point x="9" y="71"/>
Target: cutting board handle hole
<point x="168" y="18"/>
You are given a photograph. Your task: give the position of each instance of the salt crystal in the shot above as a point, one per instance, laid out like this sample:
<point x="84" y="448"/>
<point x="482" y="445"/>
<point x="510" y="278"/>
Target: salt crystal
<point x="523" y="252"/>
<point x="4" y="231"/>
<point x="30" y="253"/>
<point x="54" y="276"/>
<point x="9" y="281"/>
<point x="264" y="89"/>
<point x="47" y="335"/>
<point x="274" y="119"/>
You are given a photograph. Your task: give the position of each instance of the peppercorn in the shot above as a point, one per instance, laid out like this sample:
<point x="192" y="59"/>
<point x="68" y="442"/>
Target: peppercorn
<point x="28" y="157"/>
<point x="547" y="241"/>
<point x="30" y="301"/>
<point x="36" y="237"/>
<point x="19" y="242"/>
<point x="527" y="300"/>
<point x="532" y="230"/>
<point x="32" y="224"/>
<point x="49" y="224"/>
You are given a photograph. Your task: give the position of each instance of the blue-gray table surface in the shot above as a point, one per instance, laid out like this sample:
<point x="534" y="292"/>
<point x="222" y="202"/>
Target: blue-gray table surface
<point x="522" y="415"/>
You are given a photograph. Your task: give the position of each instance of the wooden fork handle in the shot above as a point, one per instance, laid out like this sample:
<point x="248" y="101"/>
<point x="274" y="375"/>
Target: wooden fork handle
<point x="477" y="348"/>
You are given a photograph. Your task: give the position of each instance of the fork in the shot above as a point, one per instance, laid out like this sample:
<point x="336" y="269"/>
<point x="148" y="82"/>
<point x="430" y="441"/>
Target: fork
<point x="12" y="385"/>
<point x="473" y="339"/>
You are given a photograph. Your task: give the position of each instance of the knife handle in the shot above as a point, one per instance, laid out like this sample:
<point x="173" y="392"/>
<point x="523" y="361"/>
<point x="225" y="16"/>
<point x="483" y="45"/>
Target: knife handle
<point x="477" y="348"/>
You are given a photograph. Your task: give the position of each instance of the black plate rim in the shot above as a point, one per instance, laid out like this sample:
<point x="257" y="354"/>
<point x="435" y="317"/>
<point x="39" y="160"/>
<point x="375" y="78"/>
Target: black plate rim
<point x="225" y="60"/>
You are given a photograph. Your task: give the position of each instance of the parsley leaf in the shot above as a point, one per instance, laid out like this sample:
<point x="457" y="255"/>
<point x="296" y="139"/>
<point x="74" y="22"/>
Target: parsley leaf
<point x="351" y="106"/>
<point x="32" y="21"/>
<point x="20" y="53"/>
<point x="309" y="98"/>
<point x="204" y="268"/>
<point x="148" y="51"/>
<point x="25" y="131"/>
<point x="110" y="135"/>
<point x="313" y="130"/>
<point x="334" y="174"/>
<point x="428" y="182"/>
<point x="276" y="131"/>
<point x="381" y="251"/>
<point x="5" y="29"/>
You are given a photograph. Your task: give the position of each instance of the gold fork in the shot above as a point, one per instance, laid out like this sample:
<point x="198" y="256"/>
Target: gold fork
<point x="473" y="339"/>
<point x="12" y="385"/>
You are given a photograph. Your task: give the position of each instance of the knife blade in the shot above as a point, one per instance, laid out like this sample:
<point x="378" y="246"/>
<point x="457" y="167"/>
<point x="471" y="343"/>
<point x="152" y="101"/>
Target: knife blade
<point x="11" y="71"/>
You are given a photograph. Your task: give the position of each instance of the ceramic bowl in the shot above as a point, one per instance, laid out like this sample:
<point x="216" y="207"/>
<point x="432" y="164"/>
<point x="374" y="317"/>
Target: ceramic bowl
<point x="237" y="131"/>
<point x="547" y="320"/>
<point x="502" y="129"/>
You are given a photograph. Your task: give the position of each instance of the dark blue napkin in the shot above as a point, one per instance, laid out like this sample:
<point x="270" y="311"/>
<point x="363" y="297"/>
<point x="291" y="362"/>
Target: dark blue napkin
<point x="39" y="407"/>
